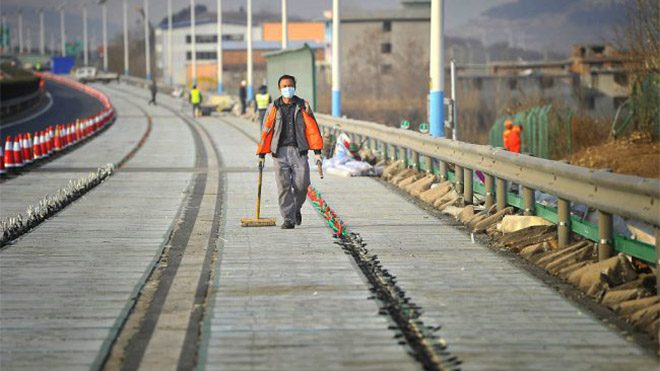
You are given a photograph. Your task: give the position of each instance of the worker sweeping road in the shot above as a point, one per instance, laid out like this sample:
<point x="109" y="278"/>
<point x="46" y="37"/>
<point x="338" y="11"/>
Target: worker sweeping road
<point x="289" y="132"/>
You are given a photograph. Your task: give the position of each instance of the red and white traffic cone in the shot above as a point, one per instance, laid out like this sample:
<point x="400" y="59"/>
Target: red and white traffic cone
<point x="36" y="147"/>
<point x="71" y="134"/>
<point x="50" y="137"/>
<point x="63" y="138"/>
<point x="2" y="164"/>
<point x="78" y="134"/>
<point x="42" y="144"/>
<point x="18" y="155"/>
<point x="9" y="153"/>
<point x="57" y="142"/>
<point x="25" y="150"/>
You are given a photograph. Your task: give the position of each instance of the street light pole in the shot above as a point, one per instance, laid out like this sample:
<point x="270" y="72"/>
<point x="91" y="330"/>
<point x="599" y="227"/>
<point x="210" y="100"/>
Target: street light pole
<point x="219" y="48"/>
<point x="249" y="50"/>
<point x="437" y="122"/>
<point x="20" y="31"/>
<point x="147" y="41"/>
<point x="170" y="68"/>
<point x="62" y="32"/>
<point x="193" y="43"/>
<point x="125" y="39"/>
<point x="336" y="82"/>
<point x="85" y="55"/>
<point x="42" y="42"/>
<point x="104" y="11"/>
<point x="285" y="29"/>
<point x="28" y="43"/>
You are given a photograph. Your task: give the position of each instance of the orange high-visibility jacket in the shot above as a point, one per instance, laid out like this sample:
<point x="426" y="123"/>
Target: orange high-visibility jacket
<point x="505" y="139"/>
<point x="514" y="139"/>
<point x="273" y="123"/>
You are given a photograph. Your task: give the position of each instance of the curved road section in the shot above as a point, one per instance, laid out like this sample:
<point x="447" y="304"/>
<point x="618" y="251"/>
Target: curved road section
<point x="65" y="105"/>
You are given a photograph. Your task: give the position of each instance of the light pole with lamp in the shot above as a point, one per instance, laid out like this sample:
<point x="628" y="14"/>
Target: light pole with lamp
<point x="104" y="14"/>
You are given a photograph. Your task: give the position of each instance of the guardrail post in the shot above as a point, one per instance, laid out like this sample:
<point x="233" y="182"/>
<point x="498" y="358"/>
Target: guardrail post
<point x="443" y="170"/>
<point x="383" y="147"/>
<point x="605" y="248"/>
<point x="403" y="155"/>
<point x="428" y="164"/>
<point x="467" y="189"/>
<point x="490" y="200"/>
<point x="415" y="160"/>
<point x="458" y="174"/>
<point x="500" y="193"/>
<point x="657" y="259"/>
<point x="564" y="227"/>
<point x="529" y="203"/>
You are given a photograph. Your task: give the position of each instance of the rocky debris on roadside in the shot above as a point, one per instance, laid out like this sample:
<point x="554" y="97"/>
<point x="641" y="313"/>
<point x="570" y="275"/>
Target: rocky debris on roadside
<point x="625" y="285"/>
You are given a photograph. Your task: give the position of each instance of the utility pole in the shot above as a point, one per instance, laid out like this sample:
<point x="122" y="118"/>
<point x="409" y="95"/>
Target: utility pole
<point x="249" y="50"/>
<point x="28" y="43"/>
<point x="42" y="34"/>
<point x="147" y="39"/>
<point x="126" y="71"/>
<point x="336" y="77"/>
<point x="85" y="55"/>
<point x="219" y="47"/>
<point x="437" y="72"/>
<point x="285" y="30"/>
<point x="104" y="11"/>
<point x="62" y="32"/>
<point x="170" y="68"/>
<point x="20" y="31"/>
<point x="193" y="43"/>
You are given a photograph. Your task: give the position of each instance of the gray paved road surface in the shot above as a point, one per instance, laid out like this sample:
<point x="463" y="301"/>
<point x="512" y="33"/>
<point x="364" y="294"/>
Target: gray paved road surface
<point x="275" y="299"/>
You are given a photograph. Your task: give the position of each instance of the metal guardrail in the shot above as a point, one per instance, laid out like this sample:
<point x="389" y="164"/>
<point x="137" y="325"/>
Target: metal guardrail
<point x="611" y="194"/>
<point x="15" y="105"/>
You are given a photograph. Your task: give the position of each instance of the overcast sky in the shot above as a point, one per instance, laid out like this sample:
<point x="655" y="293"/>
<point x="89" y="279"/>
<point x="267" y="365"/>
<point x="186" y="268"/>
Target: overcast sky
<point x="458" y="12"/>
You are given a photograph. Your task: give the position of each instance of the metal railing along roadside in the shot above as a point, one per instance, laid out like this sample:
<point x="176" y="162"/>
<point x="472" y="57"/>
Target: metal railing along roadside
<point x="610" y="194"/>
<point x="18" y="104"/>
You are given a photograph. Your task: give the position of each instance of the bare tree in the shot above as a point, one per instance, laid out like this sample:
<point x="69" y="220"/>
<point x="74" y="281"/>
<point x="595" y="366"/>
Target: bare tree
<point x="640" y="38"/>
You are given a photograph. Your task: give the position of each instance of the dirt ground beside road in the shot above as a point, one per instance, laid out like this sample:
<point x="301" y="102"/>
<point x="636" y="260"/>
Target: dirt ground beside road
<point x="637" y="154"/>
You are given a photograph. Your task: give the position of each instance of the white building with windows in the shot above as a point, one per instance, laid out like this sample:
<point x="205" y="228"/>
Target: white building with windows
<point x="234" y="36"/>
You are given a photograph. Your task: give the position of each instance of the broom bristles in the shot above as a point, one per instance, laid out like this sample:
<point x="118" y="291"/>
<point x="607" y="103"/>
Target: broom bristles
<point x="254" y="222"/>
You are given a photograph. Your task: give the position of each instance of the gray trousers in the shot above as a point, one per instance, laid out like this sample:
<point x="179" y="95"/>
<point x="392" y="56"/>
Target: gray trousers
<point x="292" y="178"/>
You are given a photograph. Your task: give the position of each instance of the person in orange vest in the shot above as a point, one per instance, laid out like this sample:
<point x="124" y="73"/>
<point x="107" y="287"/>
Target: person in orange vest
<point x="289" y="132"/>
<point x="508" y="125"/>
<point x="514" y="139"/>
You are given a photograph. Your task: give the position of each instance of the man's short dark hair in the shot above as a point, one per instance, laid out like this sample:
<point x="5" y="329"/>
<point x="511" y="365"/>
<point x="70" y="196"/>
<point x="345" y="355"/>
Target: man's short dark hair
<point x="286" y="77"/>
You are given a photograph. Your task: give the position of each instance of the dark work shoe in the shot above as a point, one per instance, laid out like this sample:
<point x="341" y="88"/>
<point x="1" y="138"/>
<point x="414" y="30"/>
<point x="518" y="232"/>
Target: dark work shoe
<point x="287" y="225"/>
<point x="298" y="218"/>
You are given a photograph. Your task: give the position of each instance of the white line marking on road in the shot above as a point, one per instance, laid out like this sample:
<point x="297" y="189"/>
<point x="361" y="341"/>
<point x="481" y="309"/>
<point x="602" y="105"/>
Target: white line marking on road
<point x="50" y="104"/>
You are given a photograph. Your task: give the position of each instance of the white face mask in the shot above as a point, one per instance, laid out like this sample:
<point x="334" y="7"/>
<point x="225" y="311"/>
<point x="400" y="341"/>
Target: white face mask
<point x="288" y="92"/>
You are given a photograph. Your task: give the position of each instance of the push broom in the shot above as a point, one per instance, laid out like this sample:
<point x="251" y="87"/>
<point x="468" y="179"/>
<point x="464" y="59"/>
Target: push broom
<point x="258" y="222"/>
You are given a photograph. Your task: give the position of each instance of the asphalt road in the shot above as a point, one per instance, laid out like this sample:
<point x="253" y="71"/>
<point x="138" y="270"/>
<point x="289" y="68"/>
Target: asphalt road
<point x="65" y="104"/>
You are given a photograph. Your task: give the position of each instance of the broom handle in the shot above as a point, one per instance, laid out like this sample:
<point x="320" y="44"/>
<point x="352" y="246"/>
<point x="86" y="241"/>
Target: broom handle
<point x="261" y="169"/>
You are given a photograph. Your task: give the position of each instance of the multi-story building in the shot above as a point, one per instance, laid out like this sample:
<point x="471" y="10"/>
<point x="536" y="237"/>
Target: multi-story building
<point x="266" y="38"/>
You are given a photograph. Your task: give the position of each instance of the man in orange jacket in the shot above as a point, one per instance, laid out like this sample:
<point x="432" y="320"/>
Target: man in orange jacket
<point x="506" y="135"/>
<point x="514" y="139"/>
<point x="289" y="132"/>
